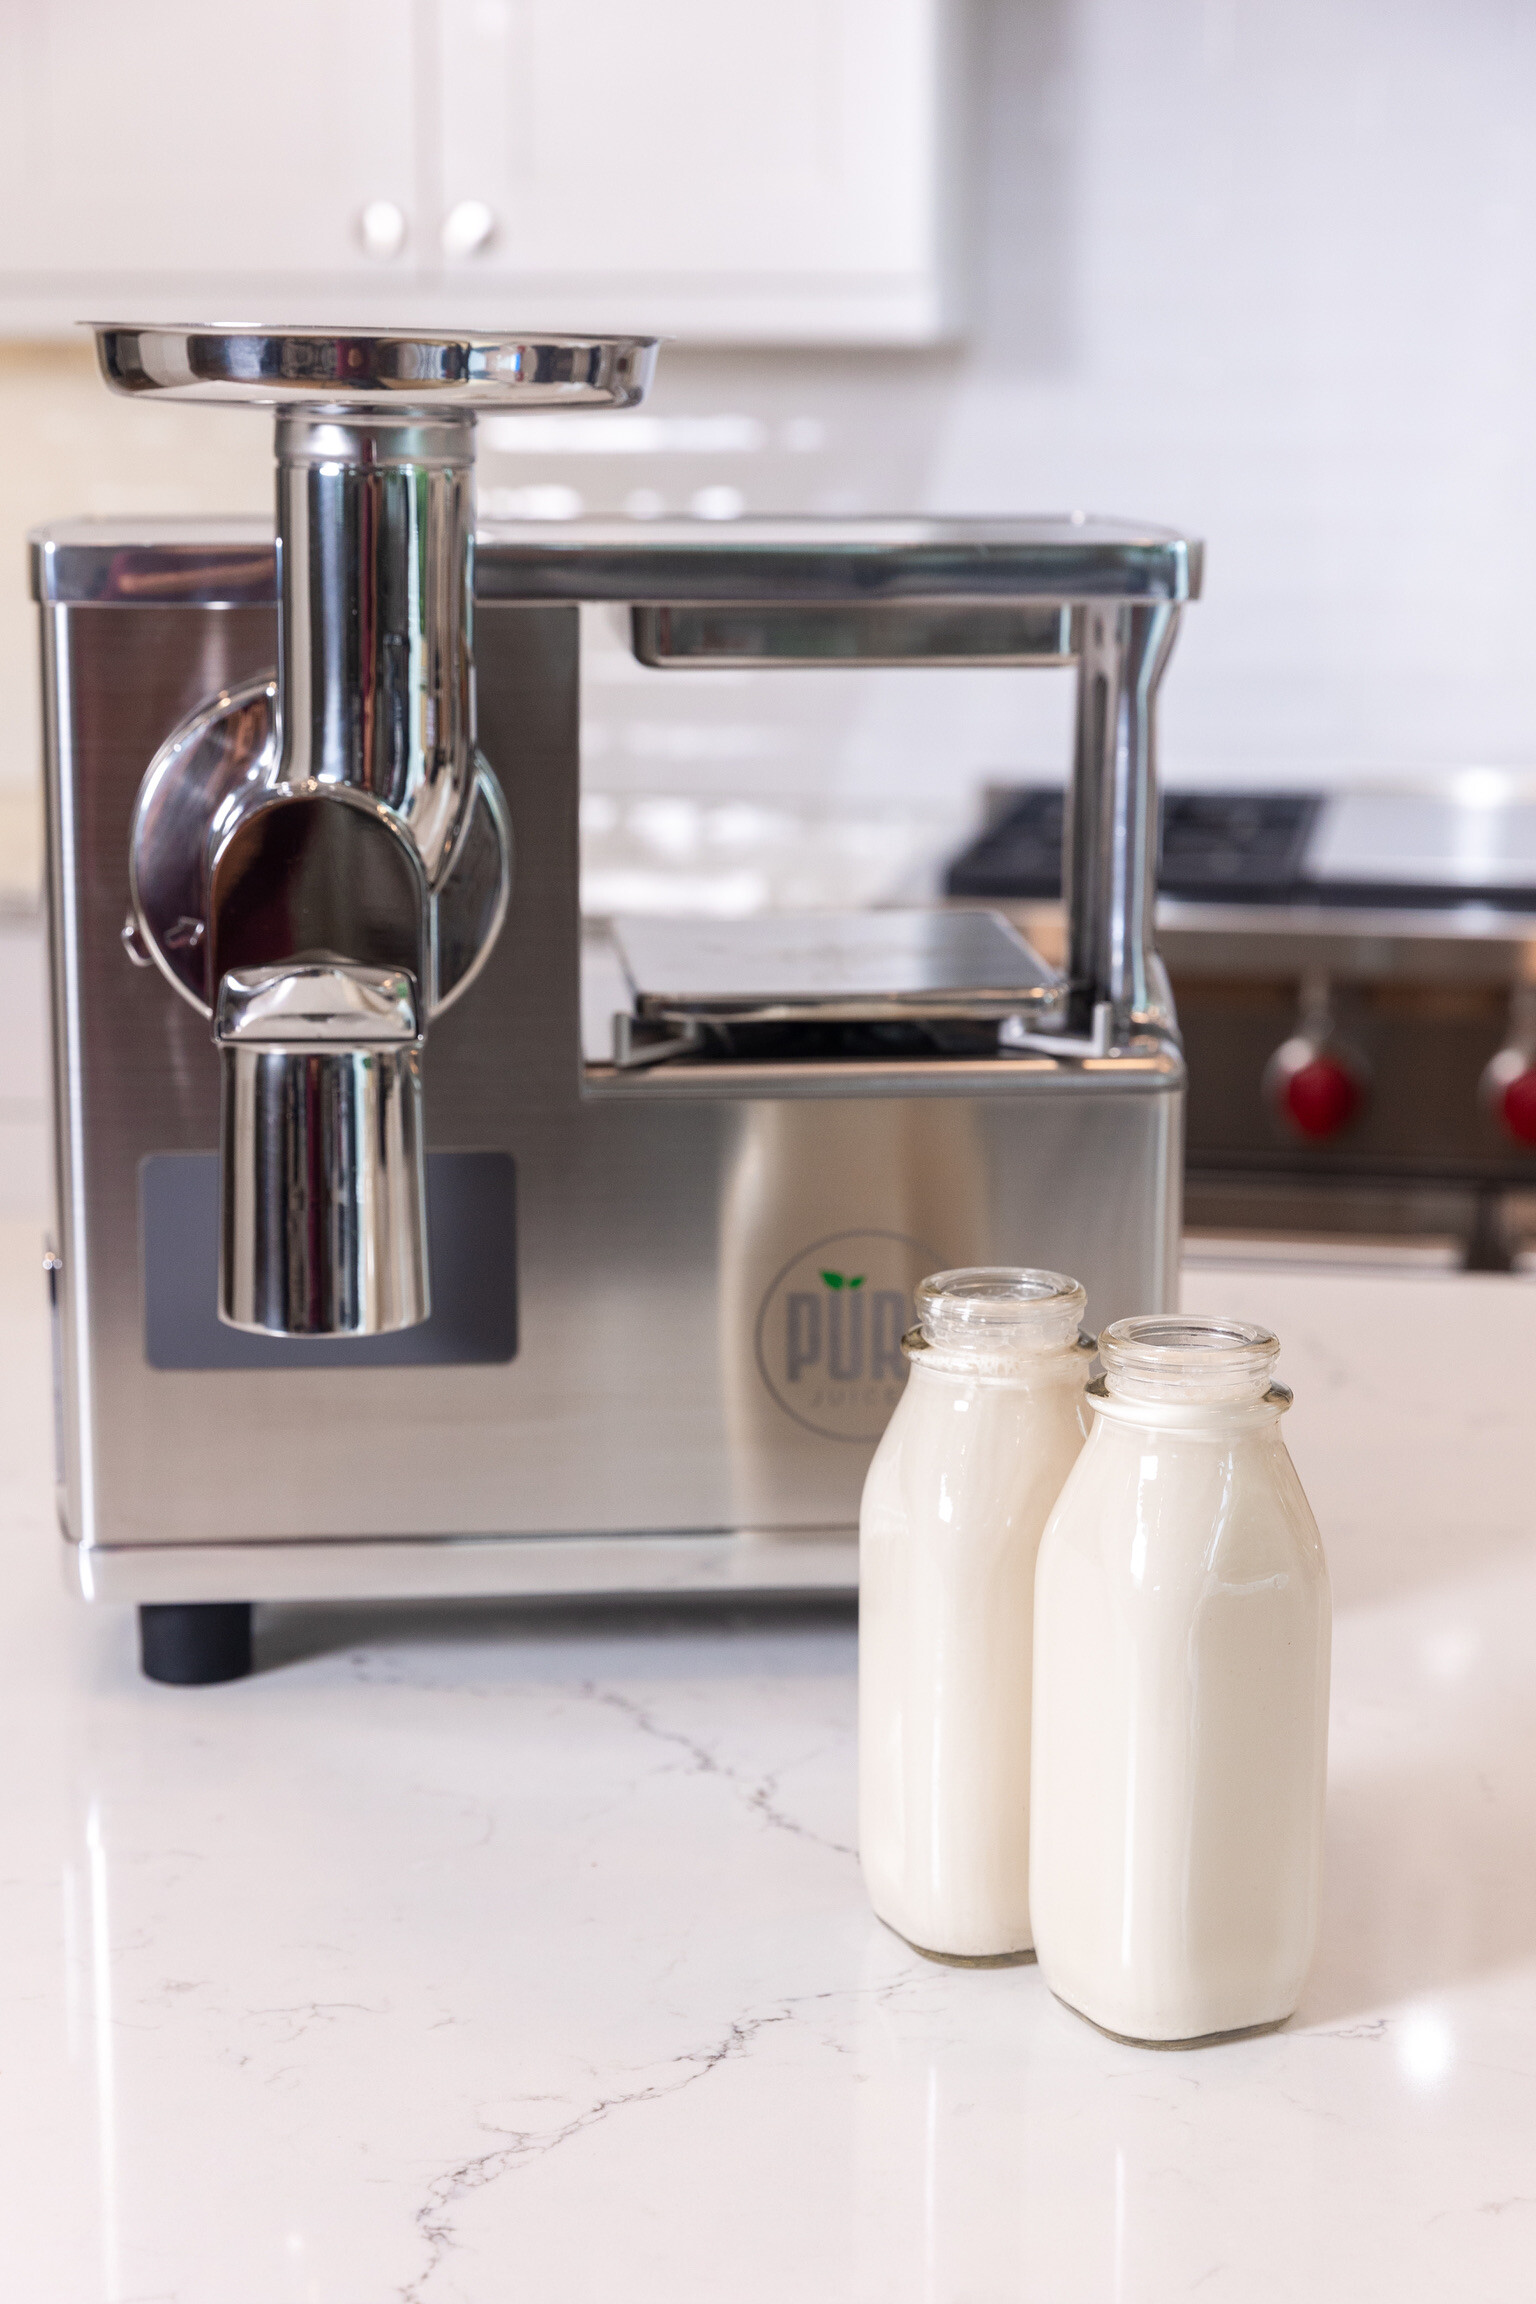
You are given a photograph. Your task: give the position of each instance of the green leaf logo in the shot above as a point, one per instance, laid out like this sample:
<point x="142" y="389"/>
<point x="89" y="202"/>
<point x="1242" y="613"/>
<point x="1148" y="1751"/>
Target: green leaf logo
<point x="833" y="1279"/>
<point x="842" y="1280"/>
<point x="857" y="1281"/>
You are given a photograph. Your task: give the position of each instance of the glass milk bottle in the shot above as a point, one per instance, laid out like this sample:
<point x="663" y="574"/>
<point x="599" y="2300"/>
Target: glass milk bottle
<point x="1182" y="1624"/>
<point x="960" y="1488"/>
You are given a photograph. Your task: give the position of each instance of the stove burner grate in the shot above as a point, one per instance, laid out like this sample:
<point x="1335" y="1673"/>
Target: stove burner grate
<point x="1216" y="848"/>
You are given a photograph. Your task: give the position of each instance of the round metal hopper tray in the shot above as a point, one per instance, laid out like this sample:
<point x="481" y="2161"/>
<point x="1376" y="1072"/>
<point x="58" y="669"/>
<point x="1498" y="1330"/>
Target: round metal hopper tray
<point x="253" y="366"/>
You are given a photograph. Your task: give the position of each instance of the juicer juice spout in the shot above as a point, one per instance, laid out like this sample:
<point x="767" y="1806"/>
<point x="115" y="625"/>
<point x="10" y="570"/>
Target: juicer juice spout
<point x="324" y="1193"/>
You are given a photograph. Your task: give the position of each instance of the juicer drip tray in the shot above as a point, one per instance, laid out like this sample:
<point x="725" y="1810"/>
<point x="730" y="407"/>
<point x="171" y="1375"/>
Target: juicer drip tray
<point x="820" y="984"/>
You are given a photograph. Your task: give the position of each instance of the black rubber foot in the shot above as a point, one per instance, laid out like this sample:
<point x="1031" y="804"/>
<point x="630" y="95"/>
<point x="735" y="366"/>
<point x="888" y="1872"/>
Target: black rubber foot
<point x="1489" y="1245"/>
<point x="196" y="1643"/>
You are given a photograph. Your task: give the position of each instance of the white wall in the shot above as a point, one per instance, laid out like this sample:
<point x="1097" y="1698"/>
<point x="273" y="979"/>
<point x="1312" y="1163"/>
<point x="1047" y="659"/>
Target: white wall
<point x="1265" y="267"/>
<point x="1260" y="267"/>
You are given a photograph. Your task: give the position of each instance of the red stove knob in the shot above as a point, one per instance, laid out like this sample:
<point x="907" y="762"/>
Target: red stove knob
<point x="1509" y="1091"/>
<point x="1314" y="1090"/>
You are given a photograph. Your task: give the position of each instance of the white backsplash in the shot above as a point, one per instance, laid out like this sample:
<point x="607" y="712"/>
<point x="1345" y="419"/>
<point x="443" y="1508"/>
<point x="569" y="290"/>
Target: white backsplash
<point x="1259" y="268"/>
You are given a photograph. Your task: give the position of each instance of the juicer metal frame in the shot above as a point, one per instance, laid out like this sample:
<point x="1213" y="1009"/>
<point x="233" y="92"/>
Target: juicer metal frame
<point x="639" y="1375"/>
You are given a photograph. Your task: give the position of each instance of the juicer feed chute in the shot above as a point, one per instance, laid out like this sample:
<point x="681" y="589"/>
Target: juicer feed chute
<point x="321" y="860"/>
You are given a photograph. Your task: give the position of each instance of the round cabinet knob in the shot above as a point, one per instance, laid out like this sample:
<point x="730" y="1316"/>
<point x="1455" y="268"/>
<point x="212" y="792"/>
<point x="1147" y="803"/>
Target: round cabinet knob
<point x="381" y="229"/>
<point x="467" y="228"/>
<point x="1314" y="1090"/>
<point x="1509" y="1092"/>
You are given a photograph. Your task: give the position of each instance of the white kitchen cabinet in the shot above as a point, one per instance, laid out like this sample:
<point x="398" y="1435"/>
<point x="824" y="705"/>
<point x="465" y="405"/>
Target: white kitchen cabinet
<point x="714" y="170"/>
<point x="706" y="167"/>
<point x="165" y="156"/>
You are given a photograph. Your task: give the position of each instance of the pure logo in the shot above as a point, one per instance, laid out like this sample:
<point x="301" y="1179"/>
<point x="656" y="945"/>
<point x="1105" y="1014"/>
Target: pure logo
<point x="829" y="1332"/>
<point x="855" y="1334"/>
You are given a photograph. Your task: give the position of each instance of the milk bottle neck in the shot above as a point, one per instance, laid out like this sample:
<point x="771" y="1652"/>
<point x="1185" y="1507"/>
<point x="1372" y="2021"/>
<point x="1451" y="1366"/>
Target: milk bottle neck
<point x="1187" y="1371"/>
<point x="1006" y="1322"/>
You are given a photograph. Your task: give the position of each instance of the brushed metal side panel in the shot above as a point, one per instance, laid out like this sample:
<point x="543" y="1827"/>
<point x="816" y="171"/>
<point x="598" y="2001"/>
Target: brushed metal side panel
<point x="132" y="1069"/>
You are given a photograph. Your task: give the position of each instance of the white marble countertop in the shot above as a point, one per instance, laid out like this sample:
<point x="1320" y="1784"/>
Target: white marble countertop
<point x="484" y="1955"/>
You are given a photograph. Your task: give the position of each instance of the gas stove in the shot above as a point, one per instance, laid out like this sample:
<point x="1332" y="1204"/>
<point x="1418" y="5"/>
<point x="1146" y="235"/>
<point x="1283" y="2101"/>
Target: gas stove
<point x="1355" y="973"/>
<point x="1470" y="842"/>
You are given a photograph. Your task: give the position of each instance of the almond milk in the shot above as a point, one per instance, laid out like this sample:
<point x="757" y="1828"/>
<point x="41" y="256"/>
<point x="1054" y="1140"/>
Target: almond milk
<point x="990" y="1423"/>
<point x="1182" y="1625"/>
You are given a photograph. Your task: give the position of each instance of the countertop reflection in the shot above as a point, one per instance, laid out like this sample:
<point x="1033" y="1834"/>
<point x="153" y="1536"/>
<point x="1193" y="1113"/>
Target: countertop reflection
<point x="504" y="1953"/>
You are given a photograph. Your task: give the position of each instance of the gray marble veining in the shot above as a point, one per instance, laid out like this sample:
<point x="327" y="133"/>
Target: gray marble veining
<point x="501" y="1953"/>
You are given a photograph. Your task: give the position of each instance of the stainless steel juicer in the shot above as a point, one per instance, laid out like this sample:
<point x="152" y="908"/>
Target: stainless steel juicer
<point x="366" y="1280"/>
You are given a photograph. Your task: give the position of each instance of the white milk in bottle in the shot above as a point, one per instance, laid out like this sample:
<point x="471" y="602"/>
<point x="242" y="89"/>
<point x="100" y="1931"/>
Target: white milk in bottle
<point x="1182" y="1625"/>
<point x="961" y="1486"/>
